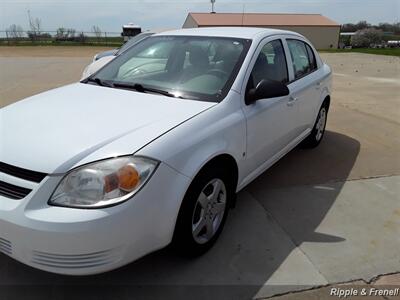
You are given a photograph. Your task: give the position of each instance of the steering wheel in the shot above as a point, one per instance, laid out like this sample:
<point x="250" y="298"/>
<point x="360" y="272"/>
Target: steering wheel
<point x="217" y="72"/>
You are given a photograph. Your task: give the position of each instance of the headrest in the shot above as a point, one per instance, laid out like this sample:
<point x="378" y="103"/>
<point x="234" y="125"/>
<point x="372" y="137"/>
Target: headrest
<point x="198" y="57"/>
<point x="261" y="59"/>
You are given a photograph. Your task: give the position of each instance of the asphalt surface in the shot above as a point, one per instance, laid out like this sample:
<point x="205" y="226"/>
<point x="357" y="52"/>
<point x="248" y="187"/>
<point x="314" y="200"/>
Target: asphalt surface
<point x="317" y="217"/>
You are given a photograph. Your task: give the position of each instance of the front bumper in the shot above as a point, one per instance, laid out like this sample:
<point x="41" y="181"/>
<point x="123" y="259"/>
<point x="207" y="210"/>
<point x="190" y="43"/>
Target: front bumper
<point x="89" y="241"/>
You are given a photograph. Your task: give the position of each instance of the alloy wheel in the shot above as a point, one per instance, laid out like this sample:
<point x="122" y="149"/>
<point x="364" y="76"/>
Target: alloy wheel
<point x="320" y="126"/>
<point x="209" y="211"/>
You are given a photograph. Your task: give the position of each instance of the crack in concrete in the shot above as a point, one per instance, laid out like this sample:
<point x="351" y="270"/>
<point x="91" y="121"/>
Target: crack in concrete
<point x="374" y="279"/>
<point x="367" y="282"/>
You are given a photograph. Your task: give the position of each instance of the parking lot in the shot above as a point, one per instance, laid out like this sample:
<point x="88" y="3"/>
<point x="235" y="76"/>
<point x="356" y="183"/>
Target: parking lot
<point x="317" y="217"/>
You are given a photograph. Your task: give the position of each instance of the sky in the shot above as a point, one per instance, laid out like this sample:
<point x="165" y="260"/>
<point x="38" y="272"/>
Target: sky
<point x="111" y="15"/>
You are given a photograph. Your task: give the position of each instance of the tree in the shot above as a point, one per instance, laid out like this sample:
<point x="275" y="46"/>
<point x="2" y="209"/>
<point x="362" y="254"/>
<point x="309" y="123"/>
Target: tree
<point x="15" y="32"/>
<point x="61" y="33"/>
<point x="349" y="27"/>
<point x="65" y="34"/>
<point x="362" y="25"/>
<point x="97" y="31"/>
<point x="385" y="27"/>
<point x="71" y="33"/>
<point x="81" y="38"/>
<point x="35" y="25"/>
<point x="366" y="37"/>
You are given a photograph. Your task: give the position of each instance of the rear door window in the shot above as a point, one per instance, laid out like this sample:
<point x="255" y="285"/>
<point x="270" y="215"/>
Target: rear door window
<point x="303" y="58"/>
<point x="311" y="58"/>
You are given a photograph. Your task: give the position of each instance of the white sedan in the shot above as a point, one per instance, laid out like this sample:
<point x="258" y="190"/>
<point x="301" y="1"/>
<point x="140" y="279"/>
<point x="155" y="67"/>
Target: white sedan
<point x="103" y="58"/>
<point x="152" y="149"/>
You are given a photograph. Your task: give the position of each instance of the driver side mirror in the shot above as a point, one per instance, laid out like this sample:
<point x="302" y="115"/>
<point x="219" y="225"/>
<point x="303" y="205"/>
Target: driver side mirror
<point x="266" y="89"/>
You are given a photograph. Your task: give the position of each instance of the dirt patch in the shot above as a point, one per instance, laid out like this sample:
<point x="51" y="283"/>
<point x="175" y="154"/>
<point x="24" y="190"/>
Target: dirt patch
<point x="50" y="51"/>
<point x="367" y="83"/>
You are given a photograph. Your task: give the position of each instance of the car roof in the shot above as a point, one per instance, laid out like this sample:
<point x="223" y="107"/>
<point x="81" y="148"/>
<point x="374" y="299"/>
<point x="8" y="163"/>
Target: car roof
<point x="236" y="32"/>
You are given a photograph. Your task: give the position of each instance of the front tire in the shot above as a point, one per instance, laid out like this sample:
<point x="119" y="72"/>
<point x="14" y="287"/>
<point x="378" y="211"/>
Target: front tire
<point x="203" y="212"/>
<point x="317" y="133"/>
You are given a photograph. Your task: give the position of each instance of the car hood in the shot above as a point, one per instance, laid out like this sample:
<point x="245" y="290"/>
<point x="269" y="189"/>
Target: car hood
<point x="57" y="130"/>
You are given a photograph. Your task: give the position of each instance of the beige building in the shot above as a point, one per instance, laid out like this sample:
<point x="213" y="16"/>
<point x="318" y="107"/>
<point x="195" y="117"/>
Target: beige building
<point x="321" y="31"/>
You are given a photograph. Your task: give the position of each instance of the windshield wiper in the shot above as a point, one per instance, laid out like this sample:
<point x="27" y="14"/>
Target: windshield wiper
<point x="133" y="86"/>
<point x="140" y="88"/>
<point x="98" y="81"/>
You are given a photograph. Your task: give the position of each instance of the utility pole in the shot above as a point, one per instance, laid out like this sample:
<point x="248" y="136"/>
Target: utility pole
<point x="29" y="18"/>
<point x="243" y="14"/>
<point x="212" y="6"/>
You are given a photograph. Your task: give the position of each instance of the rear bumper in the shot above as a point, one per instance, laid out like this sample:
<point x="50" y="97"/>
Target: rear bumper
<point x="89" y="241"/>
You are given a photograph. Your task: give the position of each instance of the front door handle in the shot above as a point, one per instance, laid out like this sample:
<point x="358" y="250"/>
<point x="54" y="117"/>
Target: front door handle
<point x="291" y="101"/>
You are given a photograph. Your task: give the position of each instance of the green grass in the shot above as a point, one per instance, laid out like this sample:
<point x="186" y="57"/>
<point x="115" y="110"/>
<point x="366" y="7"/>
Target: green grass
<point x="385" y="51"/>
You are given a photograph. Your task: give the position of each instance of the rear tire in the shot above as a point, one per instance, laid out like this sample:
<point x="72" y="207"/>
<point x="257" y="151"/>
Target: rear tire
<point x="203" y="212"/>
<point x="317" y="133"/>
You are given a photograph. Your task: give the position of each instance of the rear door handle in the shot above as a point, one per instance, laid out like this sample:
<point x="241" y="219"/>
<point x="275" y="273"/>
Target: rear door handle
<point x="318" y="85"/>
<point x="291" y="101"/>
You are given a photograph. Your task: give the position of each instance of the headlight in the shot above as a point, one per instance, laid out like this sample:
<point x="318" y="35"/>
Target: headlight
<point x="103" y="183"/>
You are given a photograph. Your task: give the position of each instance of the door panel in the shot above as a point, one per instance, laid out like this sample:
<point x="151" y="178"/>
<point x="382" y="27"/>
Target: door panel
<point x="305" y="86"/>
<point x="304" y="94"/>
<point x="271" y="123"/>
<point x="309" y="106"/>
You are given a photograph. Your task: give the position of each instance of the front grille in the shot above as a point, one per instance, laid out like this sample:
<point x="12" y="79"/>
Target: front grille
<point x="5" y="246"/>
<point x="12" y="191"/>
<point x="22" y="173"/>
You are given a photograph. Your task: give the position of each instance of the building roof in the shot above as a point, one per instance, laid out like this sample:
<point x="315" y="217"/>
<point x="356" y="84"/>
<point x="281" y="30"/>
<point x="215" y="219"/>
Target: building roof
<point x="259" y="19"/>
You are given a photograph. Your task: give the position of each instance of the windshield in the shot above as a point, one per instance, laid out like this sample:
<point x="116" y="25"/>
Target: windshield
<point x="200" y="68"/>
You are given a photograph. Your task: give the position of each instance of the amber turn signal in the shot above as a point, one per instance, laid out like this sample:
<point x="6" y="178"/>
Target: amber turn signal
<point x="128" y="178"/>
